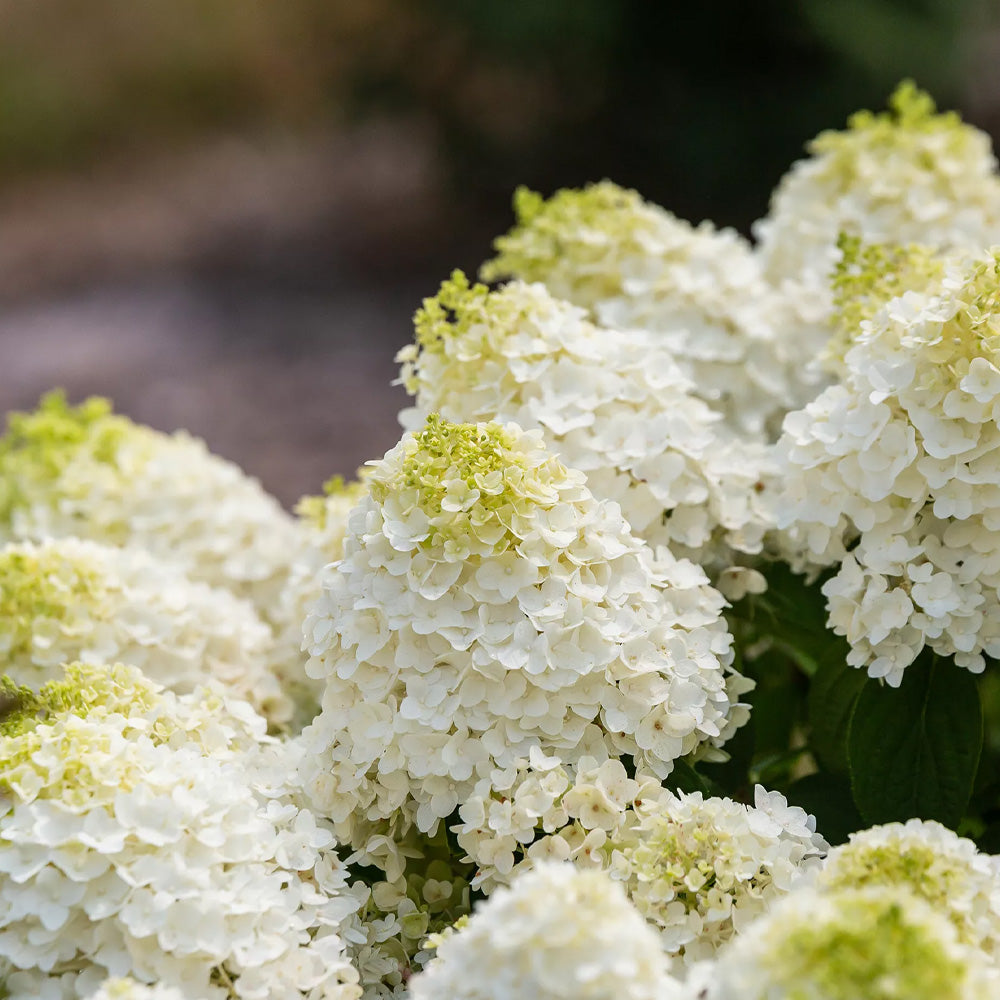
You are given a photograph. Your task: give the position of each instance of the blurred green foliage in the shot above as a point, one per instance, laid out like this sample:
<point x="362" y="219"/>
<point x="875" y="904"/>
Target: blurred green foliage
<point x="700" y="106"/>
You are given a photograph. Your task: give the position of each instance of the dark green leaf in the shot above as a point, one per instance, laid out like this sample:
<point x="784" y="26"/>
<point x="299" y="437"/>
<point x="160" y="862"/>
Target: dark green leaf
<point x="684" y="778"/>
<point x="913" y="751"/>
<point x="833" y="690"/>
<point x="828" y="798"/>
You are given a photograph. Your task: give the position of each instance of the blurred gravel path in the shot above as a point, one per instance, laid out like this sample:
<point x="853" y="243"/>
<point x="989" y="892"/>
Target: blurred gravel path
<point x="293" y="387"/>
<point x="253" y="292"/>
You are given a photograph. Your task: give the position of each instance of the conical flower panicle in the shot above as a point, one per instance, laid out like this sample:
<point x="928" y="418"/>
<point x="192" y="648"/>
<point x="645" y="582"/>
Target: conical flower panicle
<point x="697" y="289"/>
<point x="66" y="599"/>
<point x="487" y="606"/>
<point x="893" y="472"/>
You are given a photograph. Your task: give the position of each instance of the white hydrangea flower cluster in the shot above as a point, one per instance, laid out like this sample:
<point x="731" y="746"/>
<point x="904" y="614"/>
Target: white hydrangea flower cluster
<point x="870" y="275"/>
<point x="613" y="404"/>
<point x="699" y="290"/>
<point x="934" y="863"/>
<point x="67" y="599"/>
<point x="556" y="933"/>
<point x="138" y="839"/>
<point x="541" y="809"/>
<point x="700" y="870"/>
<point x="893" y="474"/>
<point x="83" y="471"/>
<point x="876" y="943"/>
<point x="487" y="604"/>
<point x="697" y="869"/>
<point x="903" y="176"/>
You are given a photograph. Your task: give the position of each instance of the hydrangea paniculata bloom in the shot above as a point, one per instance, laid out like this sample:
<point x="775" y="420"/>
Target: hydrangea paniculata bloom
<point x="876" y="943"/>
<point x="931" y="861"/>
<point x="696" y="868"/>
<point x="700" y="870"/>
<point x="907" y="175"/>
<point x="699" y="290"/>
<point x="613" y="404"/>
<point x="487" y="605"/>
<point x="67" y="599"/>
<point x="87" y="472"/>
<point x="555" y="933"/>
<point x="139" y="839"/>
<point x="895" y="474"/>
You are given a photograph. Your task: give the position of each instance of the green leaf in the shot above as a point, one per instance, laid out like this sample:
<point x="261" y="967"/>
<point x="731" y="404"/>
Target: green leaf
<point x="684" y="778"/>
<point x="828" y="798"/>
<point x="913" y="751"/>
<point x="832" y="693"/>
<point x="790" y="617"/>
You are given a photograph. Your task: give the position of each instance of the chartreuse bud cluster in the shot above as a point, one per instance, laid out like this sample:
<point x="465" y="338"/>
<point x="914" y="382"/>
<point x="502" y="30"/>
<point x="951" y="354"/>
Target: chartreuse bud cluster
<point x="87" y="472"/>
<point x="893" y="474"/>
<point x="613" y="404"/>
<point x="488" y="607"/>
<point x="876" y="943"/>
<point x="67" y="599"/>
<point x="867" y="277"/>
<point x="904" y="176"/>
<point x="699" y="290"/>
<point x="141" y="837"/>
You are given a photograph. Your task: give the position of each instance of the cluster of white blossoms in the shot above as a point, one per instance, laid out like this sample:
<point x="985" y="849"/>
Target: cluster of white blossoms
<point x="875" y="943"/>
<point x="697" y="869"/>
<point x="907" y="175"/>
<point x="557" y="934"/>
<point x="700" y="870"/>
<point x="84" y="471"/>
<point x="698" y="291"/>
<point x="613" y="404"/>
<point x="900" y="911"/>
<point x="138" y="839"/>
<point x="66" y="599"/>
<point x="434" y="737"/>
<point x="894" y="473"/>
<point x="486" y="604"/>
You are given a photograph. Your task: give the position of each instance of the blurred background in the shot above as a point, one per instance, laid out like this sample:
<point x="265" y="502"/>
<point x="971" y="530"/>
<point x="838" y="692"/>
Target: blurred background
<point x="223" y="213"/>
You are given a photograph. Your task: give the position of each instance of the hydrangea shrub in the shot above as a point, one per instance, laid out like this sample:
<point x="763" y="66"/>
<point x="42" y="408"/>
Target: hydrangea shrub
<point x="657" y="660"/>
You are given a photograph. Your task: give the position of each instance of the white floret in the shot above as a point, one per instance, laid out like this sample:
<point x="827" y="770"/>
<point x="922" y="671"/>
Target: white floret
<point x="556" y="933"/>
